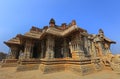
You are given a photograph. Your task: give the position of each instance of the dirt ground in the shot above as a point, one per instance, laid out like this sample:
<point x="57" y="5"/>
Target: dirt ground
<point x="10" y="73"/>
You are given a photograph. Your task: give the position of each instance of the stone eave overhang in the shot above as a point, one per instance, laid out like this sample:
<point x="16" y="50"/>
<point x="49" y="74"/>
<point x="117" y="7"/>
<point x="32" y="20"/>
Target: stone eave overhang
<point x="9" y="44"/>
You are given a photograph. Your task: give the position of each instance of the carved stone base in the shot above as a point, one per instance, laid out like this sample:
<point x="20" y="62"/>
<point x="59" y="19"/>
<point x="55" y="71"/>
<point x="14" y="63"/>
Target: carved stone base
<point x="28" y="67"/>
<point x="81" y="67"/>
<point x="28" y="64"/>
<point x="9" y="63"/>
<point x="78" y="55"/>
<point x="52" y="65"/>
<point x="49" y="54"/>
<point x="52" y="68"/>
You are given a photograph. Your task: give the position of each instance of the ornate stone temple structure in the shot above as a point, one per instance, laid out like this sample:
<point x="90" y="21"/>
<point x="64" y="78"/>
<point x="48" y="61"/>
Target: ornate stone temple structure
<point x="56" y="48"/>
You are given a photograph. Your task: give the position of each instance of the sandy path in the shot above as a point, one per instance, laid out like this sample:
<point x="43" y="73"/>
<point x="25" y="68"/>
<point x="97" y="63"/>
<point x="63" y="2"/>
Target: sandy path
<point x="10" y="73"/>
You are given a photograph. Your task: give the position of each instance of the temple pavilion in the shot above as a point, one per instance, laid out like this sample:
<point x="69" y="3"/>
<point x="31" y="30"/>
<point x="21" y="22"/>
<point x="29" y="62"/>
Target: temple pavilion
<point x="56" y="48"/>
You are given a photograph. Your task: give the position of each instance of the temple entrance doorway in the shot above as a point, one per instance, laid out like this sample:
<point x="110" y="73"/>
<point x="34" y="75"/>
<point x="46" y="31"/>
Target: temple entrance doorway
<point x="36" y="51"/>
<point x="61" y="48"/>
<point x="58" y="48"/>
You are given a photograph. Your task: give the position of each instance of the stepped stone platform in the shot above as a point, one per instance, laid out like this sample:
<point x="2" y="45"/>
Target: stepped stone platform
<point x="81" y="67"/>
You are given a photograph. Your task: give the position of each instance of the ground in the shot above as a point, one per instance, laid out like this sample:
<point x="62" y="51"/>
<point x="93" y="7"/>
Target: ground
<point x="11" y="73"/>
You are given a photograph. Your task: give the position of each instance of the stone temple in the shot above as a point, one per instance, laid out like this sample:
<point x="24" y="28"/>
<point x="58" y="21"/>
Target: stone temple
<point x="59" y="48"/>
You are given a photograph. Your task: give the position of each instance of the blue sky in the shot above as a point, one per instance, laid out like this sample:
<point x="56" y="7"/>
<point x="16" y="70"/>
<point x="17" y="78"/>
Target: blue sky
<point x="17" y="16"/>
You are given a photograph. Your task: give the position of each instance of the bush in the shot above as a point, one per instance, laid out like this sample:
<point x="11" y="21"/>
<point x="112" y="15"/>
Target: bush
<point x="2" y="55"/>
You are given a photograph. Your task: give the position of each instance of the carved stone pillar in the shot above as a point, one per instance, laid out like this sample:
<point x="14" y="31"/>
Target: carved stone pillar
<point x="65" y="48"/>
<point x="21" y="55"/>
<point x="93" y="49"/>
<point x="100" y="49"/>
<point x="42" y="49"/>
<point x="31" y="50"/>
<point x="90" y="47"/>
<point x="79" y="51"/>
<point x="86" y="45"/>
<point x="77" y="46"/>
<point x="14" y="51"/>
<point x="28" y="52"/>
<point x="49" y="47"/>
<point x="71" y="47"/>
<point x="107" y="48"/>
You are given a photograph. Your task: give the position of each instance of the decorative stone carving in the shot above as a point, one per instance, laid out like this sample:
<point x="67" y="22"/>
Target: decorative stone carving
<point x="73" y="22"/>
<point x="101" y="33"/>
<point x="77" y="47"/>
<point x="52" y="22"/>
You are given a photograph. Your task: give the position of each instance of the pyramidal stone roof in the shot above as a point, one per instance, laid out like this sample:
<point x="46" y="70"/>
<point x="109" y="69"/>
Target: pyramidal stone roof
<point x="34" y="33"/>
<point x="14" y="40"/>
